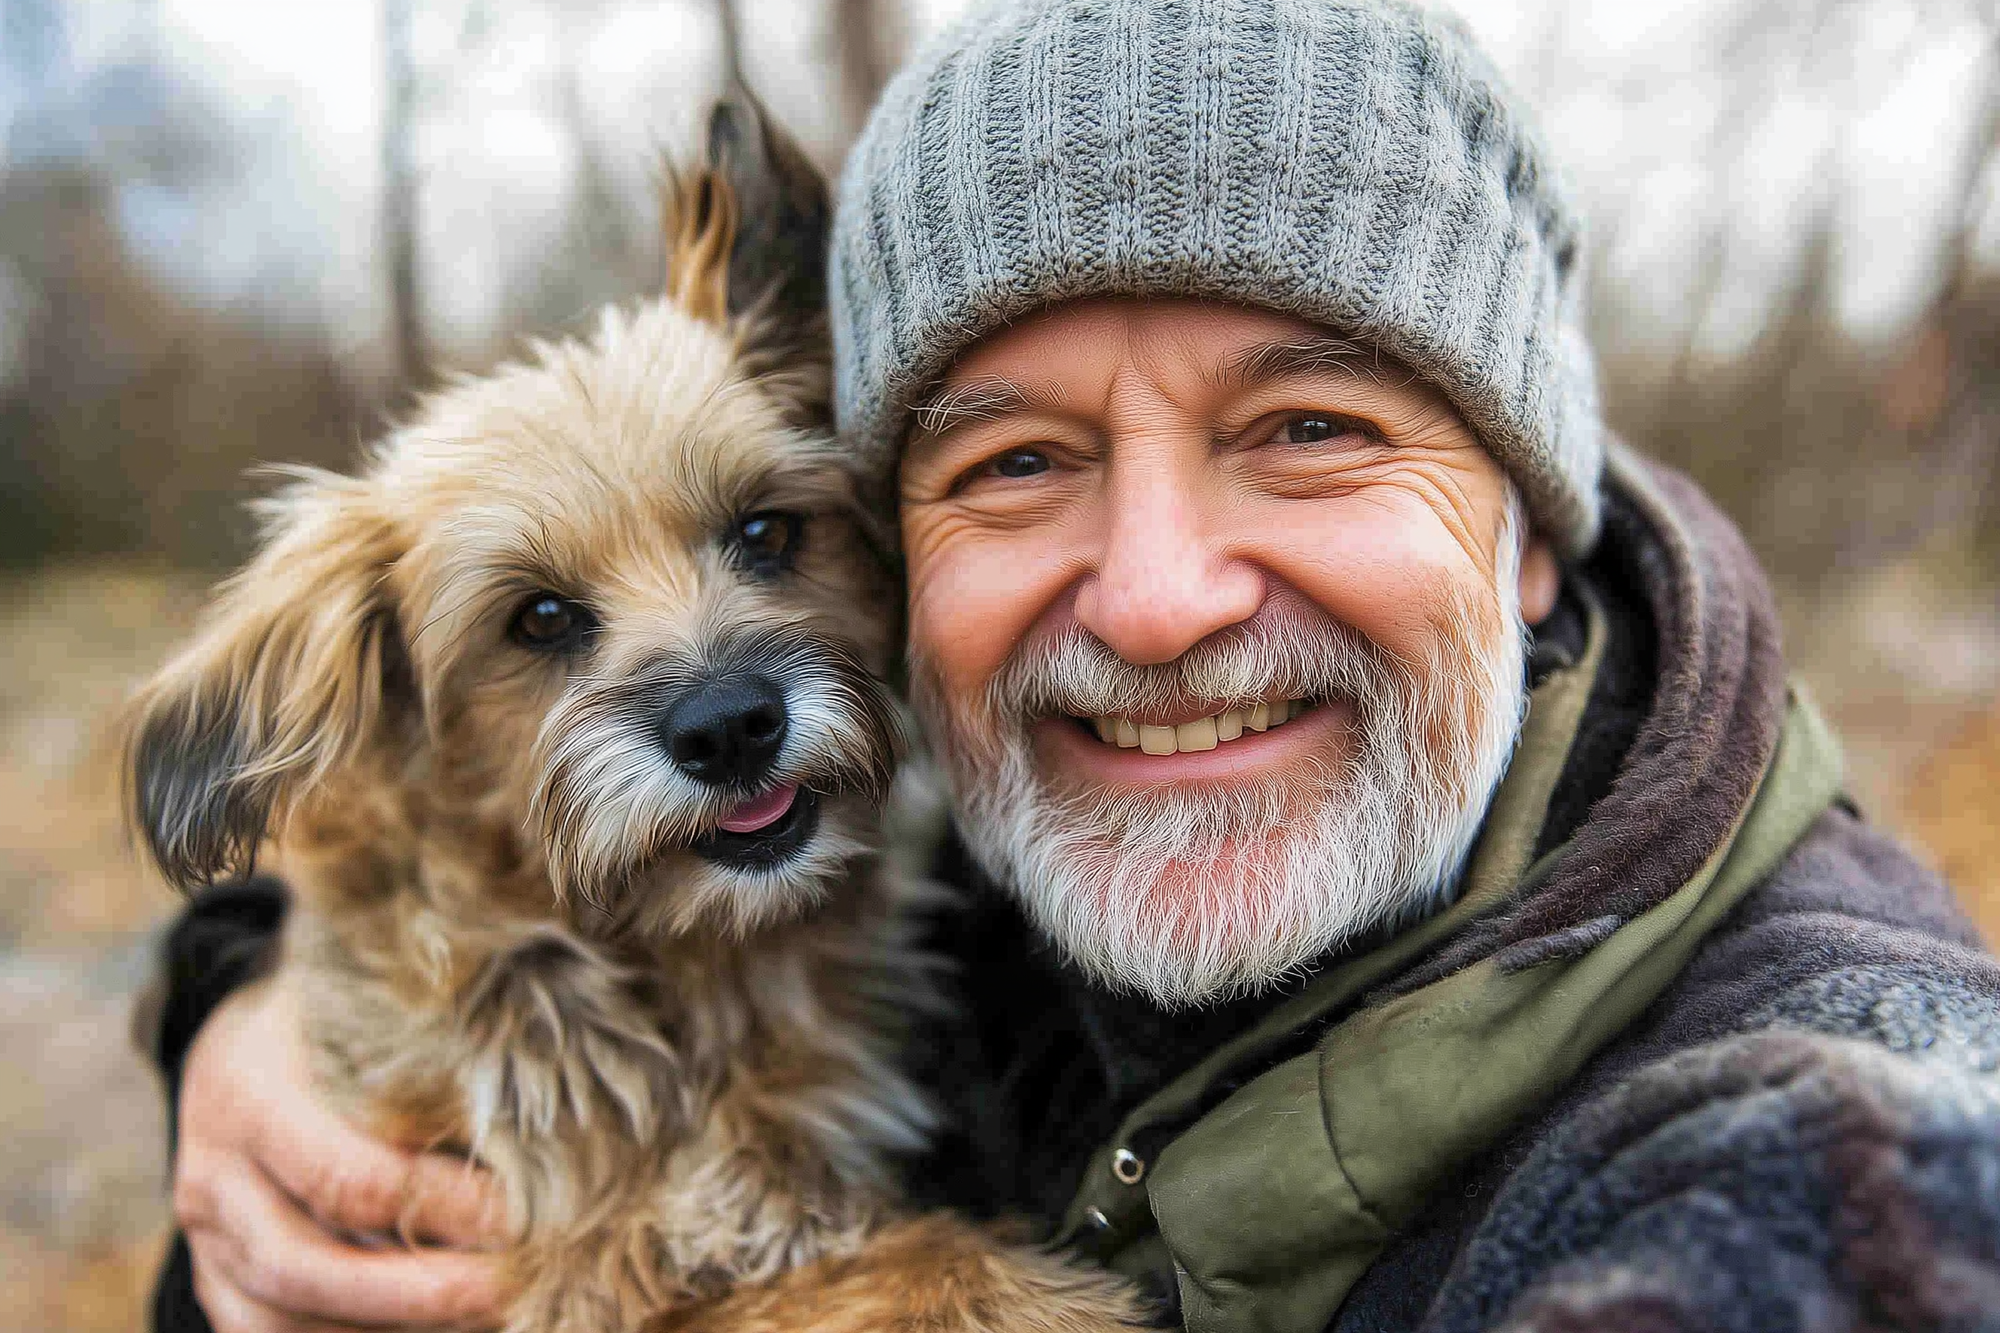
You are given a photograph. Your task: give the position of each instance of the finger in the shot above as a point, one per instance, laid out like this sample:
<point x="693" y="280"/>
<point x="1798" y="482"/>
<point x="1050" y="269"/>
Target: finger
<point x="352" y="1180"/>
<point x="452" y="1201"/>
<point x="230" y="1311"/>
<point x="348" y="1178"/>
<point x="281" y="1258"/>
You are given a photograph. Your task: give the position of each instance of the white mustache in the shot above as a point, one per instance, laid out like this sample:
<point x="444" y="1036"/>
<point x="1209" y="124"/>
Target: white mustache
<point x="1287" y="650"/>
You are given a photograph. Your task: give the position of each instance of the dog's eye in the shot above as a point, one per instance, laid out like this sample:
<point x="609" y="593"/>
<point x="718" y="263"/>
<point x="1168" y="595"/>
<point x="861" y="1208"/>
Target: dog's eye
<point x="766" y="542"/>
<point x="548" y="621"/>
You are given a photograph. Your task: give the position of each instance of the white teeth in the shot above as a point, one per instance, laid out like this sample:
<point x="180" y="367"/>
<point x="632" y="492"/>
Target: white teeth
<point x="1199" y="735"/>
<point x="1194" y="737"/>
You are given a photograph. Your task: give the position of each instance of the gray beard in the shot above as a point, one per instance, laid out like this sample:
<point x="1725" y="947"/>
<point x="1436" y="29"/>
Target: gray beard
<point x="1193" y="896"/>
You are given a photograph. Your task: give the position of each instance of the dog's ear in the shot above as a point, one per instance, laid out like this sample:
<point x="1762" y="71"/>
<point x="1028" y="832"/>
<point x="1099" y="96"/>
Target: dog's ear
<point x="782" y="211"/>
<point x="297" y="668"/>
<point x="746" y="231"/>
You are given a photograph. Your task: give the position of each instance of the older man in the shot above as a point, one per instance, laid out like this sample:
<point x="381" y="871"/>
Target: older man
<point x="1402" y="890"/>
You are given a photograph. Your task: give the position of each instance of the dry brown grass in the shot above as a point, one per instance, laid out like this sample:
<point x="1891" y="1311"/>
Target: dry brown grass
<point x="1953" y="808"/>
<point x="82" y="1209"/>
<point x="94" y="1289"/>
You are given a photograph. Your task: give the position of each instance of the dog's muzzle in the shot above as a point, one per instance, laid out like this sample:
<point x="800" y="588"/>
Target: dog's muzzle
<point x="740" y="754"/>
<point x="727" y="733"/>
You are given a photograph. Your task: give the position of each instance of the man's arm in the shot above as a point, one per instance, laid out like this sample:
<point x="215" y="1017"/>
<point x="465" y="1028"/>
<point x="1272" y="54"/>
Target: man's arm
<point x="267" y="1182"/>
<point x="1783" y="1179"/>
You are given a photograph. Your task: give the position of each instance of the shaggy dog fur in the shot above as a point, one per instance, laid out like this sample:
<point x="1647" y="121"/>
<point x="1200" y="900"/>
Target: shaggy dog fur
<point x="448" y="700"/>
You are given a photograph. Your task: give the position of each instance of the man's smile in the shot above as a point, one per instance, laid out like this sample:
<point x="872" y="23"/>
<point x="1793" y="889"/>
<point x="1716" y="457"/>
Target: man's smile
<point x="1132" y="732"/>
<point x="1195" y="750"/>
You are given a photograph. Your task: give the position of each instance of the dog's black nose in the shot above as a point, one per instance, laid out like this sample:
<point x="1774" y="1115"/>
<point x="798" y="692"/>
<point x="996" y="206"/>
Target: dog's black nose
<point x="727" y="731"/>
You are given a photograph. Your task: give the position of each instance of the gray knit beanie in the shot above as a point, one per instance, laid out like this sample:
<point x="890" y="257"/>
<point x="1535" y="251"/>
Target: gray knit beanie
<point x="1356" y="163"/>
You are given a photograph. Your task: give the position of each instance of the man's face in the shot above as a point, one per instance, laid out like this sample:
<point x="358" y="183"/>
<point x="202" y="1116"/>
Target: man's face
<point x="1140" y="531"/>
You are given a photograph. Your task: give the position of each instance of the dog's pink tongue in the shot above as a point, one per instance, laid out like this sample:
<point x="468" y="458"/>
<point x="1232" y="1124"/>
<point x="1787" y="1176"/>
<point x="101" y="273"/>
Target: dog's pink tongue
<point x="761" y="811"/>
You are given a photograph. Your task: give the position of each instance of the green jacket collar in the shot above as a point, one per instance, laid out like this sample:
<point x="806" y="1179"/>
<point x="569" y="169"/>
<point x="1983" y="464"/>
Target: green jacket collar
<point x="1271" y="1200"/>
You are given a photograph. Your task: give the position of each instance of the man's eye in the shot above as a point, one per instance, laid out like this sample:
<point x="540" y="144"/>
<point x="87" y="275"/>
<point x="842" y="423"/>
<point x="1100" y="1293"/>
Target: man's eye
<point x="1311" y="428"/>
<point x="767" y="542"/>
<point x="549" y="621"/>
<point x="1016" y="463"/>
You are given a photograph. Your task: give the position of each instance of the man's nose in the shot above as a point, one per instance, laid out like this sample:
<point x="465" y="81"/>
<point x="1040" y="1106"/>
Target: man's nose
<point x="1163" y="580"/>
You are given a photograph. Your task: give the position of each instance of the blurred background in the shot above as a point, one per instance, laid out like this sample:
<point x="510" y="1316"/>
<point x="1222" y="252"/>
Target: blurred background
<point x="235" y="232"/>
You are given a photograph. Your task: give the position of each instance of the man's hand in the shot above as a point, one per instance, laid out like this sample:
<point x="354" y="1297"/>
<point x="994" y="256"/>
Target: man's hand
<point x="267" y="1182"/>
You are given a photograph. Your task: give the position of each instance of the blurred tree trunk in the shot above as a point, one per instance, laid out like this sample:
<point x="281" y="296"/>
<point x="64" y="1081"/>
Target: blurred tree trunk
<point x="399" y="193"/>
<point x="732" y="41"/>
<point x="1961" y="321"/>
<point x="865" y="35"/>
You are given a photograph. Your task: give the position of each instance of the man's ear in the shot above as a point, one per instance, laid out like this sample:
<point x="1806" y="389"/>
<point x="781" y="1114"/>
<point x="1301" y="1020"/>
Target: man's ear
<point x="298" y="667"/>
<point x="1541" y="579"/>
<point x="747" y="229"/>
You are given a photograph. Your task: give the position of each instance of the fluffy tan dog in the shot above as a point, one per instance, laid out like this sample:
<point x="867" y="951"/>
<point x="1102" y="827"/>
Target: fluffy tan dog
<point x="565" y="722"/>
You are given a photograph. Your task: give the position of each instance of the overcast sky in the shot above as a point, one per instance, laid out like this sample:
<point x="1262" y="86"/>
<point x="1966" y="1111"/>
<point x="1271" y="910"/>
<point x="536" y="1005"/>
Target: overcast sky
<point x="1682" y="123"/>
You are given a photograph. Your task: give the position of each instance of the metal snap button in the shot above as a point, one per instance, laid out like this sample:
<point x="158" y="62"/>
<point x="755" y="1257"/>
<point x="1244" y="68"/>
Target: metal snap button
<point x="1098" y="1221"/>
<point x="1125" y="1165"/>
